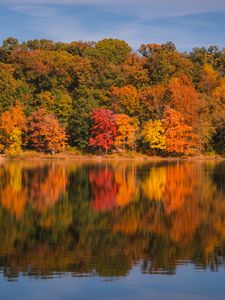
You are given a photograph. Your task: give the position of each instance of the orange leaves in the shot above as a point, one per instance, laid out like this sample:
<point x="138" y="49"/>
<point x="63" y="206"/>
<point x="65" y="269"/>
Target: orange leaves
<point x="126" y="131"/>
<point x="179" y="136"/>
<point x="13" y="118"/>
<point x="124" y="99"/>
<point x="45" y="132"/>
<point x="13" y="123"/>
<point x="184" y="98"/>
<point x="153" y="100"/>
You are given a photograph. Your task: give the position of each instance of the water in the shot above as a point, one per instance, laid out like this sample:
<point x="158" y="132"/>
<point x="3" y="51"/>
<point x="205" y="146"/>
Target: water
<point x="124" y="230"/>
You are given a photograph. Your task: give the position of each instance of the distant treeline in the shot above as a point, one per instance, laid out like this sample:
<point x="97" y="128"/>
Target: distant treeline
<point x="104" y="97"/>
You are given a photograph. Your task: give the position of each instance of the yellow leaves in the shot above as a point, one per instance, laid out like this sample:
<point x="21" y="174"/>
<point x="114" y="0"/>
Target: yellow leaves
<point x="155" y="185"/>
<point x="153" y="134"/>
<point x="219" y="91"/>
<point x="209" y="79"/>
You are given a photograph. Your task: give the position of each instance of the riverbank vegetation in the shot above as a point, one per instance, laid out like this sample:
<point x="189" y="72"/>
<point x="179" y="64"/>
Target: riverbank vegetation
<point x="105" y="98"/>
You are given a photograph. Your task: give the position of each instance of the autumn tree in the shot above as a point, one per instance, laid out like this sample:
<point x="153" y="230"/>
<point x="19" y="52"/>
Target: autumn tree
<point x="13" y="124"/>
<point x="209" y="79"/>
<point x="153" y="135"/>
<point x="103" y="129"/>
<point x="110" y="50"/>
<point x="218" y="114"/>
<point x="164" y="62"/>
<point x="153" y="100"/>
<point x="179" y="136"/>
<point x="45" y="133"/>
<point x="184" y="98"/>
<point x="126" y="131"/>
<point x="124" y="100"/>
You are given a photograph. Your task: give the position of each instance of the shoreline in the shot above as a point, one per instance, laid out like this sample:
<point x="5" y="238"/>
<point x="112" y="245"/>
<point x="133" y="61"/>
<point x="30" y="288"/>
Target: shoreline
<point x="98" y="158"/>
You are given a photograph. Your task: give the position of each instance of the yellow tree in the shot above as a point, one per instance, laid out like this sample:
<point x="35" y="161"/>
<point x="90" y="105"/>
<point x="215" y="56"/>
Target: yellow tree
<point x="153" y="135"/>
<point x="209" y="79"/>
<point x="126" y="131"/>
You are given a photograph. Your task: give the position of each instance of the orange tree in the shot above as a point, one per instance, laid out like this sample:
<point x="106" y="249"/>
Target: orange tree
<point x="45" y="132"/>
<point x="12" y="125"/>
<point x="126" y="131"/>
<point x="179" y="136"/>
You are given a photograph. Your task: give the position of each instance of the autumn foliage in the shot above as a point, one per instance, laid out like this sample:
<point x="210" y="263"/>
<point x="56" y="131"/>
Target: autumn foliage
<point x="105" y="97"/>
<point x="179" y="136"/>
<point x="45" y="132"/>
<point x="103" y="130"/>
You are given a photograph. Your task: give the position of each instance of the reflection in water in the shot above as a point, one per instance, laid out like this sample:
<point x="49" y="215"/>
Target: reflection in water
<point x="86" y="218"/>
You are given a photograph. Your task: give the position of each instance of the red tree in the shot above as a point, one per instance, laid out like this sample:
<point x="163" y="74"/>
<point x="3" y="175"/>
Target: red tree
<point x="103" y="130"/>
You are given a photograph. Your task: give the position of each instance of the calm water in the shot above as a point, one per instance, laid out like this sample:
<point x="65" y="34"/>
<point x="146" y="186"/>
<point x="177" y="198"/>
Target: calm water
<point x="124" y="230"/>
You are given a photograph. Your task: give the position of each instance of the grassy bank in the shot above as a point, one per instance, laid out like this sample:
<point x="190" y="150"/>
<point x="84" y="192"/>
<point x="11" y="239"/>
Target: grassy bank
<point x="33" y="155"/>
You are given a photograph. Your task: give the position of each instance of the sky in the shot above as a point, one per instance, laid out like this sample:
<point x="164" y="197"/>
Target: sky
<point x="187" y="23"/>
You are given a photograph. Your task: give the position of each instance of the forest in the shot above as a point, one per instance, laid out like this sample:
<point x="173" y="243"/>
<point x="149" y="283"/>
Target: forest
<point x="104" y="97"/>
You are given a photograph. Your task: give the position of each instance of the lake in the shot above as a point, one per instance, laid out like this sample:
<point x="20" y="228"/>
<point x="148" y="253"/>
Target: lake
<point x="112" y="230"/>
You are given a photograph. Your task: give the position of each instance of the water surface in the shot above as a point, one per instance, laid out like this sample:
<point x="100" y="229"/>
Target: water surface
<point x="125" y="230"/>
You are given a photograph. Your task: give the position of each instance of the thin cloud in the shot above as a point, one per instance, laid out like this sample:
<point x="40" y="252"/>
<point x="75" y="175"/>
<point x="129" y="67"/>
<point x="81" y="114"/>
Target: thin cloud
<point x="141" y="8"/>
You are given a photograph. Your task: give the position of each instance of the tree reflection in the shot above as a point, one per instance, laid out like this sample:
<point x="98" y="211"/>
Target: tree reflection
<point x="85" y="218"/>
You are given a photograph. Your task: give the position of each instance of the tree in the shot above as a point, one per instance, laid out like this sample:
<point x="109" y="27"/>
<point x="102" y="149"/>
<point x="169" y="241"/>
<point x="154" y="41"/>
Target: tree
<point x="126" y="131"/>
<point x="153" y="100"/>
<point x="218" y="114"/>
<point x="103" y="129"/>
<point x="79" y="123"/>
<point x="179" y="136"/>
<point x="153" y="135"/>
<point x="124" y="100"/>
<point x="134" y="71"/>
<point x="45" y="133"/>
<point x="209" y="79"/>
<point x="8" y="86"/>
<point x="164" y="62"/>
<point x="13" y="124"/>
<point x="184" y="98"/>
<point x="110" y="50"/>
<point x="58" y="102"/>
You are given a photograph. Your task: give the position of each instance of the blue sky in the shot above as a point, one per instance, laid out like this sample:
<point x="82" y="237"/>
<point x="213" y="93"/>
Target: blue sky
<point x="188" y="23"/>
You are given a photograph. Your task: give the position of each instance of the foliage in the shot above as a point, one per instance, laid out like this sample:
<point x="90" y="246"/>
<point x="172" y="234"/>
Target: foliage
<point x="124" y="100"/>
<point x="103" y="129"/>
<point x="153" y="135"/>
<point x="12" y="124"/>
<point x="179" y="136"/>
<point x="45" y="133"/>
<point x="126" y="131"/>
<point x="70" y="80"/>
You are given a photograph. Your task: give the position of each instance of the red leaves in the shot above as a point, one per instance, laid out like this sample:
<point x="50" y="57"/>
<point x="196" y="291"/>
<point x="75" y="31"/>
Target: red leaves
<point x="103" y="130"/>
